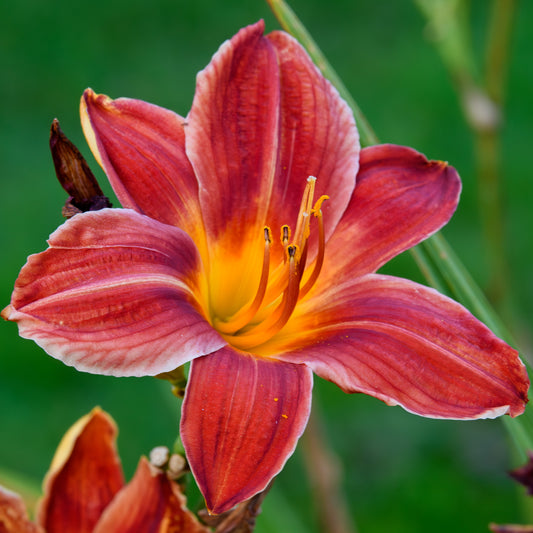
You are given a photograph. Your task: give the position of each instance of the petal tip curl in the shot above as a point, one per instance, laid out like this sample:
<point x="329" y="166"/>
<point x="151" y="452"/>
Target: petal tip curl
<point x="87" y="99"/>
<point x="6" y="312"/>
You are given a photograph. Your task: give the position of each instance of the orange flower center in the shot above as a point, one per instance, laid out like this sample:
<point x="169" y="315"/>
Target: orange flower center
<point x="279" y="291"/>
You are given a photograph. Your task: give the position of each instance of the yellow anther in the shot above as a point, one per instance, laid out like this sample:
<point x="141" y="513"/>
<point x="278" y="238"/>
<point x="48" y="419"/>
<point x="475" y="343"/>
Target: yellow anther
<point x="292" y="250"/>
<point x="301" y="234"/>
<point x="285" y="235"/>
<point x="268" y="235"/>
<point x="318" y="204"/>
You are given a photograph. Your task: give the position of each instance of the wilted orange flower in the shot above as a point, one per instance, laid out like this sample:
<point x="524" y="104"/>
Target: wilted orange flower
<point x="84" y="491"/>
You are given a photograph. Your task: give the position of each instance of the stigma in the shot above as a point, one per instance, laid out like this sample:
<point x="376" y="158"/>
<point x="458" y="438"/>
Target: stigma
<point x="280" y="288"/>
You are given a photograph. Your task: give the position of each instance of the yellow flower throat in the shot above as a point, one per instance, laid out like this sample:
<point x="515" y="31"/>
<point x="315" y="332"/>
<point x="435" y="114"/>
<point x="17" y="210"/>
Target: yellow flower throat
<point x="279" y="291"/>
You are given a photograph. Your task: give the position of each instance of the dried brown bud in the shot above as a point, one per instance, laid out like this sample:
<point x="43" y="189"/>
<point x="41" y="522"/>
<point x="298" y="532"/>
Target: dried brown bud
<point x="74" y="175"/>
<point x="240" y="519"/>
<point x="524" y="474"/>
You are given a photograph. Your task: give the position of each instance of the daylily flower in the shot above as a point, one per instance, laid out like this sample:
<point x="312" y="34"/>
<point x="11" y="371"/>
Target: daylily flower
<point x="84" y="490"/>
<point x="246" y="247"/>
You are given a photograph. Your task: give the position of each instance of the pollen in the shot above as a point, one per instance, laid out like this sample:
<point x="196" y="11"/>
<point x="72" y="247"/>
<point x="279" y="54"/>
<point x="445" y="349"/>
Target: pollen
<point x="282" y="285"/>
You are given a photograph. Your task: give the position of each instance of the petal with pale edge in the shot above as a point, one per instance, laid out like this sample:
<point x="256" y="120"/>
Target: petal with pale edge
<point x="13" y="515"/>
<point x="149" y="503"/>
<point x="241" y="419"/>
<point x="407" y="344"/>
<point x="84" y="476"/>
<point x="262" y="121"/>
<point x="114" y="294"/>
<point x="400" y="199"/>
<point x="141" y="147"/>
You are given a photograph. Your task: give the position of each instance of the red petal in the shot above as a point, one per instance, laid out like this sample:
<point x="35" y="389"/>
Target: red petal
<point x="13" y="515"/>
<point x="114" y="294"/>
<point x="400" y="199"/>
<point x="263" y="120"/>
<point x="406" y="344"/>
<point x="150" y="503"/>
<point x="241" y="420"/>
<point x="142" y="150"/>
<point x="83" y="478"/>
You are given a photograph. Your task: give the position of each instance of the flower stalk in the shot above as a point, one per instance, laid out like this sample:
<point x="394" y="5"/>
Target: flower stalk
<point x="481" y="91"/>
<point x="292" y="24"/>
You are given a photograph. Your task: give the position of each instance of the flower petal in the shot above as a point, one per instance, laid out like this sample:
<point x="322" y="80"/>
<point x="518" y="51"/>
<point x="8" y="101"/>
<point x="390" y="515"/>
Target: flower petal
<point x="241" y="420"/>
<point x="84" y="476"/>
<point x="400" y="199"/>
<point x="151" y="502"/>
<point x="263" y="120"/>
<point x="13" y="515"/>
<point x="141" y="147"/>
<point x="407" y="344"/>
<point x="115" y="294"/>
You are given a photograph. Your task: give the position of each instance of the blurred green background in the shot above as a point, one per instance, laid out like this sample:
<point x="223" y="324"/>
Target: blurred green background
<point x="400" y="473"/>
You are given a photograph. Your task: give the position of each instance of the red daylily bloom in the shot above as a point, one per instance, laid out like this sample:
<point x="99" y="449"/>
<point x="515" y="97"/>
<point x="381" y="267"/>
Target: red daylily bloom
<point x="229" y="254"/>
<point x="84" y="491"/>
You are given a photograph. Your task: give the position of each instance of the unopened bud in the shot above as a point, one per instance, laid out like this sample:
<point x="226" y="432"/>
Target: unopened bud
<point x="159" y="456"/>
<point x="176" y="465"/>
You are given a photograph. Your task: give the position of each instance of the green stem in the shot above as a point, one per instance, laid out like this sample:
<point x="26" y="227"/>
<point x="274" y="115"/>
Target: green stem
<point x="325" y="477"/>
<point x="439" y="264"/>
<point x="292" y="24"/>
<point x="482" y="107"/>
<point x="488" y="146"/>
<point x="428" y="269"/>
<point x="488" y="165"/>
<point x="497" y="51"/>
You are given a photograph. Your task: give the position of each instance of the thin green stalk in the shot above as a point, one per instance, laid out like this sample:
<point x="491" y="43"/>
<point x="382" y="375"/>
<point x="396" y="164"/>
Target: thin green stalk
<point x="444" y="264"/>
<point x="325" y="477"/>
<point x="428" y="269"/>
<point x="497" y="50"/>
<point x="448" y="30"/>
<point x="488" y="145"/>
<point x="481" y="98"/>
<point x="292" y="24"/>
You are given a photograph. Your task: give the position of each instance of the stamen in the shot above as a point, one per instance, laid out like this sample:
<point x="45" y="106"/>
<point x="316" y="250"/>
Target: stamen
<point x="243" y="316"/>
<point x="319" y="261"/>
<point x="285" y="235"/>
<point x="318" y="205"/>
<point x="301" y="234"/>
<point x="307" y="231"/>
<point x="275" y="322"/>
<point x="285" y="239"/>
<point x="279" y="291"/>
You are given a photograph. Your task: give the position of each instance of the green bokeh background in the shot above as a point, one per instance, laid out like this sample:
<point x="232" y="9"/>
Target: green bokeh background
<point x="400" y="473"/>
